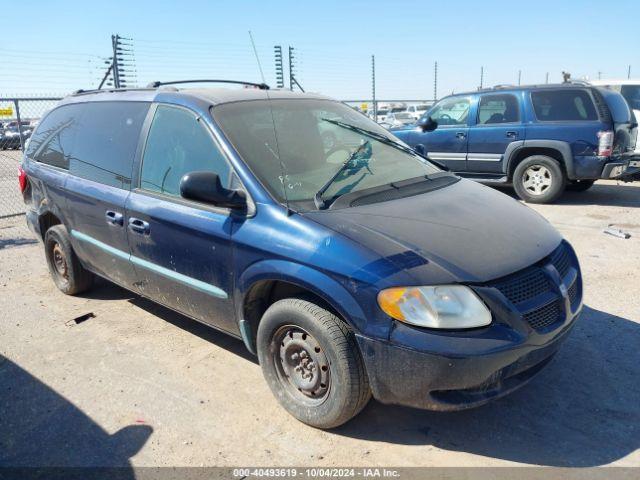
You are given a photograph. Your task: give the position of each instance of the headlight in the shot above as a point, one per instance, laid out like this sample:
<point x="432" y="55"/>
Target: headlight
<point x="442" y="306"/>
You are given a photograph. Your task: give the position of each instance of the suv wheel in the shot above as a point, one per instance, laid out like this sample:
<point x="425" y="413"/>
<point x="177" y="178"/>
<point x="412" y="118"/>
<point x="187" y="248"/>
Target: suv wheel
<point x="65" y="268"/>
<point x="312" y="364"/>
<point x="580" y="185"/>
<point x="539" y="179"/>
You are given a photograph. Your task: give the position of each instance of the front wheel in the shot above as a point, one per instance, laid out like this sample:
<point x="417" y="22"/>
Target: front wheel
<point x="310" y="359"/>
<point x="539" y="179"/>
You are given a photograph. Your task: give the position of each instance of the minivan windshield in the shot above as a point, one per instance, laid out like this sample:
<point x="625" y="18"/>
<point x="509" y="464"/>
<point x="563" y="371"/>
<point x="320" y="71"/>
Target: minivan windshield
<point x="295" y="146"/>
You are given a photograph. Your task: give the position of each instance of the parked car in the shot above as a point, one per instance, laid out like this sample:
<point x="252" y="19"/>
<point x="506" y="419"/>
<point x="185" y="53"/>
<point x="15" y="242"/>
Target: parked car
<point x="350" y="272"/>
<point x="417" y="111"/>
<point x="541" y="139"/>
<point x="10" y="137"/>
<point x="381" y="116"/>
<point x="630" y="90"/>
<point x="399" y="119"/>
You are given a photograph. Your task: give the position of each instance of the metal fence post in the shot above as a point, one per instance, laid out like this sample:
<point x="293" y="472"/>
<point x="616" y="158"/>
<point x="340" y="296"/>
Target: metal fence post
<point x="17" y="105"/>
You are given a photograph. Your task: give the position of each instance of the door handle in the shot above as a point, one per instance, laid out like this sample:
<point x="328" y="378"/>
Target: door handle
<point x="139" y="226"/>
<point x="512" y="134"/>
<point x="461" y="135"/>
<point x="114" y="218"/>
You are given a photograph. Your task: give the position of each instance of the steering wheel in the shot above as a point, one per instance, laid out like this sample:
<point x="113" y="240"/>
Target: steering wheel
<point x="445" y="116"/>
<point x="337" y="148"/>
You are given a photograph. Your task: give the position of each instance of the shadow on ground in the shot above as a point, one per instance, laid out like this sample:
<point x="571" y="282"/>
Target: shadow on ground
<point x="620" y="195"/>
<point x="16" y="242"/>
<point x="41" y="428"/>
<point x="583" y="410"/>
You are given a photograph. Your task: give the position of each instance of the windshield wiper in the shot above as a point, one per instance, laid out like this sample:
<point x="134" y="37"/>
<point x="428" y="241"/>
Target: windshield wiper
<point x="317" y="198"/>
<point x="384" y="139"/>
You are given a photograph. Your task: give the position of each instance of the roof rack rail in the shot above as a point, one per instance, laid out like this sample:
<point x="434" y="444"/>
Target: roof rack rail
<point x="504" y="85"/>
<point x="578" y="82"/>
<point x="102" y="90"/>
<point x="261" y="86"/>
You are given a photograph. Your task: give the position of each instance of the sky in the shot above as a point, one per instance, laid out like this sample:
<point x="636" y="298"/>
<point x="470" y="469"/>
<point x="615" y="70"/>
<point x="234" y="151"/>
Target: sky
<point x="55" y="47"/>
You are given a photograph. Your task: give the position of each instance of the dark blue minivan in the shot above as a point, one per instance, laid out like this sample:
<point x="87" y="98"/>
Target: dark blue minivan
<point x="351" y="270"/>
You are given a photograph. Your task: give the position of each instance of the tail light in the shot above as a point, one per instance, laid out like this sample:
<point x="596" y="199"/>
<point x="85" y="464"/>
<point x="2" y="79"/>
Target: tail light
<point x="22" y="179"/>
<point x="605" y="143"/>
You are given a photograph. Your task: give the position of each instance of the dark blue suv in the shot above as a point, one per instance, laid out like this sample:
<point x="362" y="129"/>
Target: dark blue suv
<point x="542" y="139"/>
<point x="351" y="269"/>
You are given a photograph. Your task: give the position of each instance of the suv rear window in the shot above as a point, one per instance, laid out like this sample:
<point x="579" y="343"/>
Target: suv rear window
<point x="563" y="105"/>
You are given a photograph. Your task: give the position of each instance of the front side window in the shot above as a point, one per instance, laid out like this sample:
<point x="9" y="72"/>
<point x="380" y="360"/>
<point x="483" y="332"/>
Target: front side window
<point x="451" y="111"/>
<point x="178" y="144"/>
<point x="498" y="109"/>
<point x="563" y="105"/>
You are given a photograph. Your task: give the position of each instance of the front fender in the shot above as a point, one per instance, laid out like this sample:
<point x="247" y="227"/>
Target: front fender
<point x="317" y="282"/>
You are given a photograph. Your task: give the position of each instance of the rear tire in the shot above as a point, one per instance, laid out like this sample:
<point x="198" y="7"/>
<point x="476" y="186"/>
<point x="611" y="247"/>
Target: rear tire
<point x="311" y="362"/>
<point x="539" y="179"/>
<point x="580" y="185"/>
<point x="65" y="268"/>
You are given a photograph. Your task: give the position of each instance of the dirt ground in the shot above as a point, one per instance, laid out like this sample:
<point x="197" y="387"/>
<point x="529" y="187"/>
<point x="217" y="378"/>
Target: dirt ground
<point x="140" y="385"/>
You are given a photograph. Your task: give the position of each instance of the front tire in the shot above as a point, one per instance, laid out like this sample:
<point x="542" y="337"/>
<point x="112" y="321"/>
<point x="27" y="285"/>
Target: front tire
<point x="539" y="179"/>
<point x="65" y="268"/>
<point x="311" y="362"/>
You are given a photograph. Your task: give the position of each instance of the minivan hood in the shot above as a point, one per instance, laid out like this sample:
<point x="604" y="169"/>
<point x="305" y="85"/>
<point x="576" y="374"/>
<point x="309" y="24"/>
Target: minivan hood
<point x="465" y="232"/>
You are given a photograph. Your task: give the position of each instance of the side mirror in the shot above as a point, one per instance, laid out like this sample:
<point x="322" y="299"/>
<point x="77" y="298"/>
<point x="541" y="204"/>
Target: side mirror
<point x="427" y="124"/>
<point x="420" y="150"/>
<point x="206" y="187"/>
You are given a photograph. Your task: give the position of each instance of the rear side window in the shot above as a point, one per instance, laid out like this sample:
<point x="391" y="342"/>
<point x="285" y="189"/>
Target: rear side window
<point x="498" y="109"/>
<point x="106" y="141"/>
<point x="52" y="141"/>
<point x="563" y="105"/>
<point x="96" y="141"/>
<point x="178" y="144"/>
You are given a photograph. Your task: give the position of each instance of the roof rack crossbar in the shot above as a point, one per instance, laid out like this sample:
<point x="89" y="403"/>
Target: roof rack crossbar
<point x="103" y="90"/>
<point x="261" y="86"/>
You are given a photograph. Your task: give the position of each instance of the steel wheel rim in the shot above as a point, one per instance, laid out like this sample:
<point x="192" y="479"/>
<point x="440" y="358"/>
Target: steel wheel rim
<point x="537" y="179"/>
<point x="302" y="365"/>
<point x="60" y="261"/>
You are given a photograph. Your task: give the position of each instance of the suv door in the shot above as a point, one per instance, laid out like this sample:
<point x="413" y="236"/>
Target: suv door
<point x="448" y="142"/>
<point x="100" y="161"/>
<point x="181" y="249"/>
<point x="498" y="124"/>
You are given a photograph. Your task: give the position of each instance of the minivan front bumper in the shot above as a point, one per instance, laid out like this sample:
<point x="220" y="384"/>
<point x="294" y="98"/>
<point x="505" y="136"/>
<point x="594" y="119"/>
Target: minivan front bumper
<point x="448" y="379"/>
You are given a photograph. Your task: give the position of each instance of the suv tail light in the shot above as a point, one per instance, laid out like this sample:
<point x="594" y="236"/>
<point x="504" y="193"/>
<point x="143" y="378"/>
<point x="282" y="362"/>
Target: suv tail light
<point x="605" y="143"/>
<point x="22" y="179"/>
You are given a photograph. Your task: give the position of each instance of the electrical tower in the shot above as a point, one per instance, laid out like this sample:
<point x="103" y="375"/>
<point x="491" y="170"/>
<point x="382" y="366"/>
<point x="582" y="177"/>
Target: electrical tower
<point x="292" y="71"/>
<point x="121" y="72"/>
<point x="277" y="50"/>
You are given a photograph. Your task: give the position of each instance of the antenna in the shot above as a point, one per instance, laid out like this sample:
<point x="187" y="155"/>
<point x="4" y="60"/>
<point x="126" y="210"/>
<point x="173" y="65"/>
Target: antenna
<point x="253" y="44"/>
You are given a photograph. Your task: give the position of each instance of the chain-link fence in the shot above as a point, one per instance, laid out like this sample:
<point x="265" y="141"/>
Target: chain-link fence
<point x="18" y="118"/>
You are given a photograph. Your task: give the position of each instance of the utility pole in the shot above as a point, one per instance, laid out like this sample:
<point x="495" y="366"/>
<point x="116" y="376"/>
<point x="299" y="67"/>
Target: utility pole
<point x="373" y="88"/>
<point x="629" y="71"/>
<point x="121" y="61"/>
<point x="481" y="77"/>
<point x="599" y="75"/>
<point x="519" y="76"/>
<point x="291" y="56"/>
<point x="277" y="50"/>
<point x="546" y="80"/>
<point x="435" y="81"/>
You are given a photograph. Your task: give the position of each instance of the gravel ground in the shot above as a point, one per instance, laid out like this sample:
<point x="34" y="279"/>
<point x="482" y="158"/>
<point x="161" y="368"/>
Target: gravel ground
<point x="140" y="385"/>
